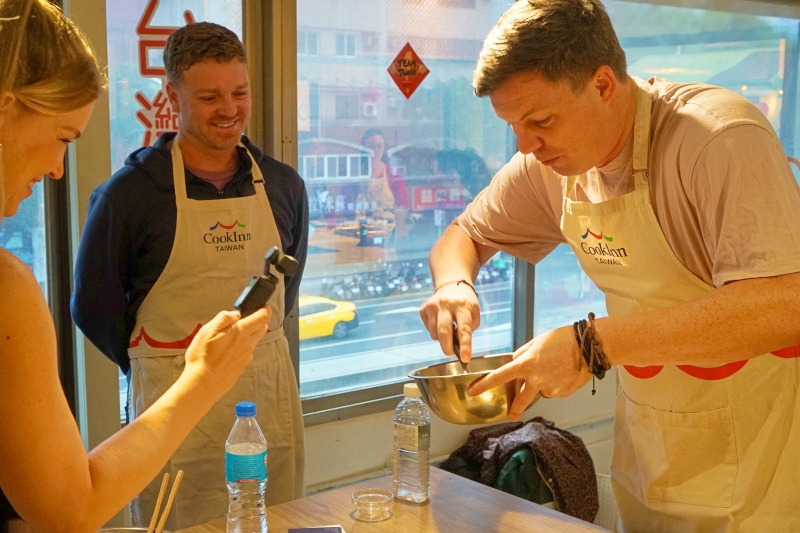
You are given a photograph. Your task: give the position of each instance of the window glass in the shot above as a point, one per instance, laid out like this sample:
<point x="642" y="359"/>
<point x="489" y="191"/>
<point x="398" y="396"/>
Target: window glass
<point x="325" y="307"/>
<point x="136" y="32"/>
<point x="24" y="235"/>
<point x="378" y="200"/>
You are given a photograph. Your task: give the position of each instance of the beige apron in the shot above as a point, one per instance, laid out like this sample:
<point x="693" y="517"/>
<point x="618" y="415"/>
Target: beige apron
<point x="379" y="194"/>
<point x="695" y="449"/>
<point x="219" y="246"/>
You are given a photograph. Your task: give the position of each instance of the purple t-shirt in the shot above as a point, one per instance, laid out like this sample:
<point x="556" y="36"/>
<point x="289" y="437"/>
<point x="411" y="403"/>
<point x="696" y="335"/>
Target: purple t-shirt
<point x="217" y="179"/>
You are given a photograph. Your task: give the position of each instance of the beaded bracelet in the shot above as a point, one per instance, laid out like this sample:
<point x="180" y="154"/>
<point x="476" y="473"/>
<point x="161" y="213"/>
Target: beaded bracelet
<point x="458" y="282"/>
<point x="590" y="349"/>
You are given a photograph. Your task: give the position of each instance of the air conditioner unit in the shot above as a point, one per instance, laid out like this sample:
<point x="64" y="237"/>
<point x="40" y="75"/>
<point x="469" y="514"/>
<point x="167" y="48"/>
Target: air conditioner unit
<point x="371" y="42"/>
<point x="370" y="110"/>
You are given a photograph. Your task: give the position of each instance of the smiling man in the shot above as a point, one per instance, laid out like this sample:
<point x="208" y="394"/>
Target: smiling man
<point x="173" y="237"/>
<point x="680" y="205"/>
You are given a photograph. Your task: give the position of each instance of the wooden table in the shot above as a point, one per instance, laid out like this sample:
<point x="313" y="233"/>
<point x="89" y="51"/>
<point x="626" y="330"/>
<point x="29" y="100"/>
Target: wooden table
<point x="342" y="252"/>
<point x="456" y="505"/>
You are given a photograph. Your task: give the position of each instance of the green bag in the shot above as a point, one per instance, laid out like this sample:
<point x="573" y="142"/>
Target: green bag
<point x="520" y="477"/>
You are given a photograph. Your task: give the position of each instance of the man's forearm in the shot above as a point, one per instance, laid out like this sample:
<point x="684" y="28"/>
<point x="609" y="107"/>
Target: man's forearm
<point x="456" y="256"/>
<point x="739" y="321"/>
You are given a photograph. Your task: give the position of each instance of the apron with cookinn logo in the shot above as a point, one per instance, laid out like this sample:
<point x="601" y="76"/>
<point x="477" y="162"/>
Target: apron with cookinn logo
<point x="696" y="449"/>
<point x="219" y="246"/>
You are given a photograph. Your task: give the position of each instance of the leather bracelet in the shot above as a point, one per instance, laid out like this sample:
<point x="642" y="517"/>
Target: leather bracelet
<point x="590" y="349"/>
<point x="457" y="282"/>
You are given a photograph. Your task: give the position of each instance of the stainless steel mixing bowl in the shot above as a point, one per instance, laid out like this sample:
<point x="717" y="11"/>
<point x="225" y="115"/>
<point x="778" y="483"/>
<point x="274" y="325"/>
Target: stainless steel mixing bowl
<point x="444" y="390"/>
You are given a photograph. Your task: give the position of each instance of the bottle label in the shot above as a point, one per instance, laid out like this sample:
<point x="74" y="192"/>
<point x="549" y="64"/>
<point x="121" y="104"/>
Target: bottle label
<point x="246" y="468"/>
<point x="412" y="438"/>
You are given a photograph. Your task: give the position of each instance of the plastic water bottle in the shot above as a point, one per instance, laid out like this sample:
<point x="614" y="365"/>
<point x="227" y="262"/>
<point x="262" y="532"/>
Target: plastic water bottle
<point x="246" y="472"/>
<point x="361" y="207"/>
<point x="412" y="442"/>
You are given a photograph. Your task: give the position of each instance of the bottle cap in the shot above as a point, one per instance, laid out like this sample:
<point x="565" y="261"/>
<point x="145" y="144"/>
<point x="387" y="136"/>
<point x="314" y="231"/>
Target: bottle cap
<point x="410" y="390"/>
<point x="245" y="409"/>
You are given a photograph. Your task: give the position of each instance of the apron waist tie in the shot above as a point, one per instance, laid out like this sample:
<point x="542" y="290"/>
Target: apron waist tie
<point x="272" y="336"/>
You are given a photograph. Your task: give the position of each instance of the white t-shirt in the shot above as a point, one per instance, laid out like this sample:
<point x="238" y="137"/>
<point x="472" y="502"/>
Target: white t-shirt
<point x="720" y="183"/>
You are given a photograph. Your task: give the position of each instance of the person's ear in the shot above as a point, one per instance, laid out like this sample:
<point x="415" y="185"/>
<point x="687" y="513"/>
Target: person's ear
<point x="172" y="94"/>
<point x="604" y="82"/>
<point x="7" y="101"/>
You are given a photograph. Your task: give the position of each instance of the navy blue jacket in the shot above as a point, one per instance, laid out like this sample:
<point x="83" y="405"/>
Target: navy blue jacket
<point x="130" y="229"/>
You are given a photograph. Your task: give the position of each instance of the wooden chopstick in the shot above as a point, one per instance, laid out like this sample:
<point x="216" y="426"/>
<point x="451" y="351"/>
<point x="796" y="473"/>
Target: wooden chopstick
<point x="161" y="492"/>
<point x="172" y="492"/>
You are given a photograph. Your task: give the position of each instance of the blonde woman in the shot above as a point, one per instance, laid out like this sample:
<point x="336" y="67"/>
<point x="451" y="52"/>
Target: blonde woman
<point x="49" y="80"/>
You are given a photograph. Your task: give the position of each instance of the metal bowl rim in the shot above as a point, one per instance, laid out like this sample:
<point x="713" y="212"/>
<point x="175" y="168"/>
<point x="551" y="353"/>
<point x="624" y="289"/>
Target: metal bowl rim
<point x="413" y="373"/>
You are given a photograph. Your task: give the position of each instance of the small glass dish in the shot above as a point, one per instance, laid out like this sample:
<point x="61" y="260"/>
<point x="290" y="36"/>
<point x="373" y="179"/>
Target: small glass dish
<point x="372" y="505"/>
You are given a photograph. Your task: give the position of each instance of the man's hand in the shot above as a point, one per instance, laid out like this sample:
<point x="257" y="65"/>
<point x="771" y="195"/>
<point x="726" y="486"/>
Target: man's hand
<point x="452" y="303"/>
<point x="547" y="364"/>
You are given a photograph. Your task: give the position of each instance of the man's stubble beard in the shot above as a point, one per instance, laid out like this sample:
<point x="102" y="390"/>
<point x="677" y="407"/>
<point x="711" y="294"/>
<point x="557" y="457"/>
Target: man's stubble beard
<point x="209" y="142"/>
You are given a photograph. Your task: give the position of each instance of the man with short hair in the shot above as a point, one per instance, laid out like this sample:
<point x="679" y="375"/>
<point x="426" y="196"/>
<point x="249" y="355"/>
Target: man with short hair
<point x="174" y="236"/>
<point x="679" y="203"/>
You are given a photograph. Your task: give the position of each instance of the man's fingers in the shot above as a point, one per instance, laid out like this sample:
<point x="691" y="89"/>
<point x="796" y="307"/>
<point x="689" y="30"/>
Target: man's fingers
<point x="476" y="316"/>
<point x="497" y="377"/>
<point x="444" y="331"/>
<point x="427" y="316"/>
<point x="525" y="397"/>
<point x="464" y="329"/>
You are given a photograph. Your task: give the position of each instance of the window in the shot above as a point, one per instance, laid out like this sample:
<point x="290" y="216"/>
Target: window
<point x="437" y="150"/>
<point x="345" y="45"/>
<point x="128" y="88"/>
<point x="24" y="235"/>
<point x="346" y="107"/>
<point x="307" y="43"/>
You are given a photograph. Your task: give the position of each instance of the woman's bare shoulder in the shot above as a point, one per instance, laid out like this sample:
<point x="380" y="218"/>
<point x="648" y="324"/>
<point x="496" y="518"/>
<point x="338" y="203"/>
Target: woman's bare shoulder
<point x="25" y="321"/>
<point x="16" y="278"/>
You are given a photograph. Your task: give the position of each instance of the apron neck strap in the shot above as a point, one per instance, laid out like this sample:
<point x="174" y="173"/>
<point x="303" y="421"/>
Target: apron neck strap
<point x="641" y="137"/>
<point x="179" y="172"/>
<point x="255" y="173"/>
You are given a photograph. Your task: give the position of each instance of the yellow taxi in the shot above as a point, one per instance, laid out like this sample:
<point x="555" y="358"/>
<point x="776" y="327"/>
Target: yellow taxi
<point x="322" y="317"/>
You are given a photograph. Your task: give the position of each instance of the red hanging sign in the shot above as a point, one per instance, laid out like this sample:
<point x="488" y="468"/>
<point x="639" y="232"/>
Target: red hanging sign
<point x="407" y="70"/>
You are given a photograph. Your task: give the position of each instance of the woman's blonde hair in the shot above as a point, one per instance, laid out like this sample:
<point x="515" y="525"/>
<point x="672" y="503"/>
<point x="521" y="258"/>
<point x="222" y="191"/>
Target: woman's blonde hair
<point x="46" y="61"/>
